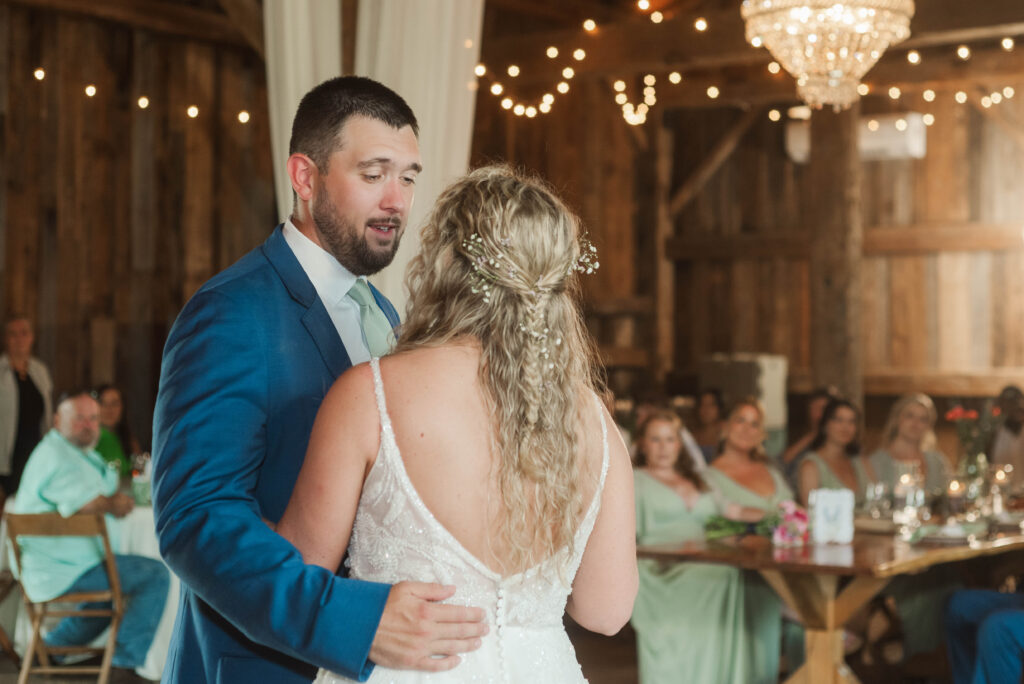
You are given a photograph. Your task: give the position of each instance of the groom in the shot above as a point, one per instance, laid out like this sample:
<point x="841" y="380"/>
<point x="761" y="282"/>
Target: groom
<point x="245" y="368"/>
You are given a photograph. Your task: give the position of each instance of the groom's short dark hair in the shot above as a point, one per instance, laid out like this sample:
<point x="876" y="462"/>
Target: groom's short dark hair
<point x="325" y="108"/>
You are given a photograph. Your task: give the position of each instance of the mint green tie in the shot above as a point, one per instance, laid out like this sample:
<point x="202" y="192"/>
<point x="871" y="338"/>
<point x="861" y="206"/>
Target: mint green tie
<point x="376" y="327"/>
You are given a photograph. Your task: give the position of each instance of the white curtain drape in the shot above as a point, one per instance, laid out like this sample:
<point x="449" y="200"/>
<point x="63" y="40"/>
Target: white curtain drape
<point x="303" y="47"/>
<point x="425" y="50"/>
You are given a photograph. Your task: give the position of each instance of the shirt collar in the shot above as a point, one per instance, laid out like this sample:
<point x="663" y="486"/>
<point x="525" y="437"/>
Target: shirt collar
<point x="331" y="280"/>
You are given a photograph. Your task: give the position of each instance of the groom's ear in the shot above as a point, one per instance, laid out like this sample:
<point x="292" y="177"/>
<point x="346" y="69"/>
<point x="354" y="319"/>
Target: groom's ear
<point x="302" y="173"/>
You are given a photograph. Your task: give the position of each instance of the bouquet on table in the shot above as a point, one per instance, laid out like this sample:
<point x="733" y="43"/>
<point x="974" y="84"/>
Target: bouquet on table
<point x="787" y="525"/>
<point x="974" y="430"/>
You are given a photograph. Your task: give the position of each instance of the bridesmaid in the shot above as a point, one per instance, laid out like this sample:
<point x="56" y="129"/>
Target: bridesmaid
<point x="909" y="440"/>
<point x="833" y="459"/>
<point x="743" y="475"/>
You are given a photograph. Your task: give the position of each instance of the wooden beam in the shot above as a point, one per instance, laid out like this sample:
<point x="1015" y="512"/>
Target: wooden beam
<point x="247" y="15"/>
<point x="931" y="238"/>
<point x="637" y="45"/>
<point x="725" y="146"/>
<point x="664" y="268"/>
<point x="349" y="23"/>
<point x="624" y="357"/>
<point x="152" y="15"/>
<point x="834" y="210"/>
<point x="968" y="383"/>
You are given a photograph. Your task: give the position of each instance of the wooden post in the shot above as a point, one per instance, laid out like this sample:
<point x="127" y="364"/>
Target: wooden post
<point x="834" y="212"/>
<point x="664" y="266"/>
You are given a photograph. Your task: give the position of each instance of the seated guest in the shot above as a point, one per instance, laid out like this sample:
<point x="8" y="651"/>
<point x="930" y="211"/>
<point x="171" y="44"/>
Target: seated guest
<point x="908" y="441"/>
<point x="1008" y="442"/>
<point x="690" y="618"/>
<point x="833" y="459"/>
<point x="652" y="405"/>
<point x="742" y="476"/>
<point x="985" y="637"/>
<point x="66" y="475"/>
<point x="116" y="443"/>
<point x="710" y="421"/>
<point x="25" y="402"/>
<point x="790" y="460"/>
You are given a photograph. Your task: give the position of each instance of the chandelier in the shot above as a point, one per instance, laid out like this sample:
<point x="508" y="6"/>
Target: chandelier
<point x="828" y="45"/>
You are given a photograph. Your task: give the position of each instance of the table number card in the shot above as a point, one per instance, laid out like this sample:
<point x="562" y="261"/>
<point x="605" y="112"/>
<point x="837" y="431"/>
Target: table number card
<point x="831" y="513"/>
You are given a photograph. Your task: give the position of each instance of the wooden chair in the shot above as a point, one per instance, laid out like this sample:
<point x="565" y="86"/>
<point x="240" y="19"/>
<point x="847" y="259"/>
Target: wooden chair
<point x="53" y="525"/>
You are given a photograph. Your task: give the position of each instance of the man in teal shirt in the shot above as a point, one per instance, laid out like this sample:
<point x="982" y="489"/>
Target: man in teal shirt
<point x="64" y="474"/>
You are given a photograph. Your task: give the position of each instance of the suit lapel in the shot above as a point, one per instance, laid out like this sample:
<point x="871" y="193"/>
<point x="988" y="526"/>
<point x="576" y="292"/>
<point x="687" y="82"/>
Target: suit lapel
<point x="316" y="320"/>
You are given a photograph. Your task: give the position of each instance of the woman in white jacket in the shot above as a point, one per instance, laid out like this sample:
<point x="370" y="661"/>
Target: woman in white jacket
<point x="26" y="401"/>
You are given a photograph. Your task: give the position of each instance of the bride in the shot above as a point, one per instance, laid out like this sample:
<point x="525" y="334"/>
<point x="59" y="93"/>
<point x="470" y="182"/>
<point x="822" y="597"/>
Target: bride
<point x="478" y="454"/>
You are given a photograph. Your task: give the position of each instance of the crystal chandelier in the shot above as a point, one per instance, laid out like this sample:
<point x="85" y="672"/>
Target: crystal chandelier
<point x="828" y="45"/>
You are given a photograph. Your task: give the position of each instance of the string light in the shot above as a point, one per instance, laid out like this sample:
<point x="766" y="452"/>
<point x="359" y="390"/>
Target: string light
<point x="649" y="80"/>
<point x="657" y="17"/>
<point x="713" y="92"/>
<point x="701" y="24"/>
<point x="90" y="90"/>
<point x="620" y="98"/>
<point x="873" y="125"/>
<point x="914" y="57"/>
<point x="675" y="77"/>
<point x="643" y="5"/>
<point x="589" y="25"/>
<point x="996" y="97"/>
<point x="986" y="101"/>
<point x="496" y="89"/>
<point x="506" y="103"/>
<point x="928" y="95"/>
<point x="756" y="41"/>
<point x="960" y="96"/>
<point x="1008" y="92"/>
<point x="513" y="70"/>
<point x="619" y="86"/>
<point x="774" y="68"/>
<point x="774" y="115"/>
<point x="552" y="52"/>
<point x="548" y="98"/>
<point x="531" y="112"/>
<point x="1007" y="44"/>
<point x="519" y="110"/>
<point x="928" y="119"/>
<point x="963" y="52"/>
<point x="863" y="89"/>
<point x="143" y="102"/>
<point x="480" y="70"/>
<point x="568" y="72"/>
<point x="901" y="125"/>
<point x="192" y="111"/>
<point x="39" y="74"/>
<point x="544" y="107"/>
<point x="579" y="55"/>
<point x="895" y="93"/>
<point x="243" y="116"/>
<point x="563" y="87"/>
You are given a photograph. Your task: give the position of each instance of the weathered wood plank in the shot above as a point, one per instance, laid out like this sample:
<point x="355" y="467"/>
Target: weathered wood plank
<point x="200" y="183"/>
<point x="907" y="323"/>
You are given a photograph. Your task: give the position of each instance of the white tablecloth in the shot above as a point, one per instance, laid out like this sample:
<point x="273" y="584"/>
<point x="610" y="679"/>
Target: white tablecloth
<point x="135" y="534"/>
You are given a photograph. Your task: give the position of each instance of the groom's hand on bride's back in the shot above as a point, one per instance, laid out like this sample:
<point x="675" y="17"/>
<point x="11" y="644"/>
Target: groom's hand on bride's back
<point x="416" y="632"/>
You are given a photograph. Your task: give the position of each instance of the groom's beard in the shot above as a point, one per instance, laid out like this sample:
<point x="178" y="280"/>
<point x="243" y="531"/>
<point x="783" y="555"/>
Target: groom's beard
<point x="350" y="245"/>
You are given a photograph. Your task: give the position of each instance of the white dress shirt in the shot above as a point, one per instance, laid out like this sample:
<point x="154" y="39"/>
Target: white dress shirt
<point x="332" y="282"/>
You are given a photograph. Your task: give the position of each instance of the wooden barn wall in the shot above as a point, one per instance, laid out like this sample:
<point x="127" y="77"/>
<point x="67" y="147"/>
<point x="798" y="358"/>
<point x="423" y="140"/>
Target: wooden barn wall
<point x="931" y="315"/>
<point x="110" y="215"/>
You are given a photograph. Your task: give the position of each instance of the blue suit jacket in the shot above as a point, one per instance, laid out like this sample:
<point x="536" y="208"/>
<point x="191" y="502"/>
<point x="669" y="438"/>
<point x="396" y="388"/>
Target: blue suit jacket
<point x="246" y="365"/>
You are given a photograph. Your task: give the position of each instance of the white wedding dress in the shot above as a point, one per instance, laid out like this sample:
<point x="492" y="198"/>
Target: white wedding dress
<point x="396" y="538"/>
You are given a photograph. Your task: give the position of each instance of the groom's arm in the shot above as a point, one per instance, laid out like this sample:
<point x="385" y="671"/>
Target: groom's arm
<point x="209" y="445"/>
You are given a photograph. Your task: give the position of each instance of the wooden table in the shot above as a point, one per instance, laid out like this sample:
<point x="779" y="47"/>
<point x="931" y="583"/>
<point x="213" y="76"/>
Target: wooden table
<point x="807" y="579"/>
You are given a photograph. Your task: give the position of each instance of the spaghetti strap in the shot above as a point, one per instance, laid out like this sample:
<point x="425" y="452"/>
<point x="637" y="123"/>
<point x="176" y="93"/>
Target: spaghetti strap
<point x="378" y="390"/>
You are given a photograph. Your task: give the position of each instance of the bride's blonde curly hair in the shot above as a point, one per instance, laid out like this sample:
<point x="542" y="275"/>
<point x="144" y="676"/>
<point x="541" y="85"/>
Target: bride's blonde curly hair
<point x="498" y="263"/>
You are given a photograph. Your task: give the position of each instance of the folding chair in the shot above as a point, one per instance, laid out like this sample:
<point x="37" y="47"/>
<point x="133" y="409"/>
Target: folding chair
<point x="53" y="525"/>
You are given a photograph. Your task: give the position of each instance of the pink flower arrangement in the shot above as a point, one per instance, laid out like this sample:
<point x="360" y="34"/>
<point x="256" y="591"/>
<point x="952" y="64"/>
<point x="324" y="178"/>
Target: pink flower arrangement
<point x="792" y="528"/>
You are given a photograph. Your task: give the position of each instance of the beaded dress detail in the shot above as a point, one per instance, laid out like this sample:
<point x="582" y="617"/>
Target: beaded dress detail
<point x="396" y="538"/>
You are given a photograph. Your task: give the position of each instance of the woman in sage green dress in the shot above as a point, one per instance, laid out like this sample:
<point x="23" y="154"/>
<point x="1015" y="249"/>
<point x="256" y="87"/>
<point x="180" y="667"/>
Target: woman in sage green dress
<point x="694" y="622"/>
<point x="833" y="459"/>
<point x="909" y="445"/>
